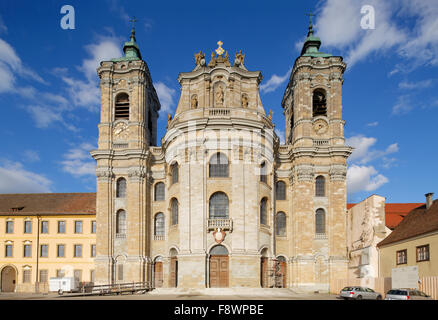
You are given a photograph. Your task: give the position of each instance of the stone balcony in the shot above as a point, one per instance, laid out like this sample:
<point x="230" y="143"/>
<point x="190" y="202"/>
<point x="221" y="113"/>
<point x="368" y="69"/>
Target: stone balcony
<point x="224" y="224"/>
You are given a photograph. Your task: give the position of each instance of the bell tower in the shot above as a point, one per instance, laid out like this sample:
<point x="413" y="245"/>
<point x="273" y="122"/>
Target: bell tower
<point x="127" y="128"/>
<point x="314" y="128"/>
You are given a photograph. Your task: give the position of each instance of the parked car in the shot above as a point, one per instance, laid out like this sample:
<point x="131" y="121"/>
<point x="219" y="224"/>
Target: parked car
<point x="359" y="293"/>
<point x="406" y="294"/>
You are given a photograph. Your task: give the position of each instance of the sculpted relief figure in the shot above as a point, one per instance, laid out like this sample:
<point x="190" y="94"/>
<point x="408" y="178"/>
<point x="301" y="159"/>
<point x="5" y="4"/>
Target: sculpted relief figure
<point x="194" y="101"/>
<point x="219" y="96"/>
<point x="244" y="101"/>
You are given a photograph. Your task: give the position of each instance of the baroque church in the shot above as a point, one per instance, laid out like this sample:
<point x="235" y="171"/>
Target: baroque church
<point x="221" y="202"/>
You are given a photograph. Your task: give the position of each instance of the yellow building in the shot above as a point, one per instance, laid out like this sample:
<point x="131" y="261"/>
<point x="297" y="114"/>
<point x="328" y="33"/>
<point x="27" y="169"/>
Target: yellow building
<point x="44" y="236"/>
<point x="414" y="242"/>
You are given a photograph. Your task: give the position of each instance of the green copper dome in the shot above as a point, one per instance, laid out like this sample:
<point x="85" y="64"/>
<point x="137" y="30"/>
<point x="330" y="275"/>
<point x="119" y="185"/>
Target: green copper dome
<point x="311" y="45"/>
<point x="131" y="49"/>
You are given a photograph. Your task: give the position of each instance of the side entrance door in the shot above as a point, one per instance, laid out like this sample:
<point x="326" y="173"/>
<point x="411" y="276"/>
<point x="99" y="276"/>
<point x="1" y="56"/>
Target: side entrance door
<point x="8" y="279"/>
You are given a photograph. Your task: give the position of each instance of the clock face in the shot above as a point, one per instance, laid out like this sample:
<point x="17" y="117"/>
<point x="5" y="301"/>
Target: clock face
<point x="120" y="131"/>
<point x="320" y="127"/>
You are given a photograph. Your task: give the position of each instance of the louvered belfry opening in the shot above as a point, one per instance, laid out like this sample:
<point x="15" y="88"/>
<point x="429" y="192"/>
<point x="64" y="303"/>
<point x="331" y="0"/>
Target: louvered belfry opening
<point x="122" y="107"/>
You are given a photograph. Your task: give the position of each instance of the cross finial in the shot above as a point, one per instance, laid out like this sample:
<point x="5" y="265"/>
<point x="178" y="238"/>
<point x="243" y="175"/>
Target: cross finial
<point x="219" y="50"/>
<point x="310" y="14"/>
<point x="133" y="20"/>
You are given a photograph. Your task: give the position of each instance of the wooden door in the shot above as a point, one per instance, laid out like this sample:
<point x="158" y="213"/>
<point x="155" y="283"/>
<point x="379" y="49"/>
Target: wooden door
<point x="219" y="271"/>
<point x="173" y="279"/>
<point x="158" y="274"/>
<point x="264" y="272"/>
<point x="8" y="279"/>
<point x="283" y="271"/>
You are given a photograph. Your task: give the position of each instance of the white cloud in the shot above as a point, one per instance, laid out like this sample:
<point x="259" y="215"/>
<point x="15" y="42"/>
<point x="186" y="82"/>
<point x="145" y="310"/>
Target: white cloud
<point x="31" y="155"/>
<point x="165" y="95"/>
<point x="364" y="178"/>
<point x="403" y="105"/>
<point x="363" y="152"/>
<point x="274" y="82"/>
<point x="15" y="179"/>
<point x="373" y="124"/>
<point x="415" y="85"/>
<point x="78" y="161"/>
<point x="280" y="134"/>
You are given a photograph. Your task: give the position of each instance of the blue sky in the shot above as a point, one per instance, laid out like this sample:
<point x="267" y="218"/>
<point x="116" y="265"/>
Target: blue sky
<point x="49" y="95"/>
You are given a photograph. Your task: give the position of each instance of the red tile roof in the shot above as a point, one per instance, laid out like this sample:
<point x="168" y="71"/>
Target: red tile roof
<point x="394" y="212"/>
<point x="47" y="203"/>
<point x="419" y="221"/>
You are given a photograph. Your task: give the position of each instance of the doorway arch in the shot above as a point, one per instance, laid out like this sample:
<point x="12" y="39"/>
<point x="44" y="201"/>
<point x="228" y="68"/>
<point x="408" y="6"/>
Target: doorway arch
<point x="173" y="278"/>
<point x="8" y="279"/>
<point x="219" y="267"/>
<point x="158" y="272"/>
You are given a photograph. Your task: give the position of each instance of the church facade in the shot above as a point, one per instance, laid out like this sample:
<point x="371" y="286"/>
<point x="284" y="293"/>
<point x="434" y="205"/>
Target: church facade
<point x="221" y="202"/>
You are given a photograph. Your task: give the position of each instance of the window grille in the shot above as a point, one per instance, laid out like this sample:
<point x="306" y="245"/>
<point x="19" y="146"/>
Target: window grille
<point x="280" y="190"/>
<point x="263" y="175"/>
<point x="159" y="224"/>
<point x="174" y="172"/>
<point x="121" y="222"/>
<point x="264" y="211"/>
<point x="174" y="209"/>
<point x="320" y="221"/>
<point x="280" y="224"/>
<point x="122" y="107"/>
<point x="423" y="253"/>
<point x="121" y="188"/>
<point x="159" y="191"/>
<point x="218" y="166"/>
<point x="218" y="206"/>
<point x="320" y="186"/>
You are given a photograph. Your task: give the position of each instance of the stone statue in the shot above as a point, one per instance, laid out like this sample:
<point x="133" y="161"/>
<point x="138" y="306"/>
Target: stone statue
<point x="219" y="96"/>
<point x="244" y="101"/>
<point x="194" y="101"/>
<point x="200" y="58"/>
<point x="169" y="118"/>
<point x="270" y="115"/>
<point x="239" y="59"/>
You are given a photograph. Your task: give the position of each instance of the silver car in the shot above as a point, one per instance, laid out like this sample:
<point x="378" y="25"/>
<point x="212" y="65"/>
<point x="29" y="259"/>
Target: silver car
<point x="406" y="294"/>
<point x="359" y="293"/>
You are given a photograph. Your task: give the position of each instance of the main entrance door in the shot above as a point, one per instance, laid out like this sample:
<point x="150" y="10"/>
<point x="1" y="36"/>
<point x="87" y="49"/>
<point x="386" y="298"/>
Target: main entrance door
<point x="219" y="269"/>
<point x="8" y="276"/>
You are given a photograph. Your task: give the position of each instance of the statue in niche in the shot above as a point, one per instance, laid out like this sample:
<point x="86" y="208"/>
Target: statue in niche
<point x="244" y="101"/>
<point x="194" y="101"/>
<point x="219" y="96"/>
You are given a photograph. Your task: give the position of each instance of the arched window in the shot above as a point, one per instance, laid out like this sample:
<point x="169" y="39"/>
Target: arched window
<point x="280" y="190"/>
<point x="264" y="211"/>
<point x="121" y="222"/>
<point x="121" y="188"/>
<point x="320" y="186"/>
<point x="320" y="221"/>
<point x="319" y="103"/>
<point x="218" y="206"/>
<point x="122" y="107"/>
<point x="174" y="172"/>
<point x="219" y="250"/>
<point x="218" y="165"/>
<point x="174" y="211"/>
<point x="280" y="224"/>
<point x="263" y="175"/>
<point x="159" y="193"/>
<point x="159" y="224"/>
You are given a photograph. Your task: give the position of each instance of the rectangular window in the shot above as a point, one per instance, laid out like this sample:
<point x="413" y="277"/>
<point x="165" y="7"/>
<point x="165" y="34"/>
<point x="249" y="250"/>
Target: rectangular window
<point x="423" y="253"/>
<point x="93" y="250"/>
<point x="9" y="226"/>
<point x="120" y="272"/>
<point x="44" y="226"/>
<point x="78" y="250"/>
<point x="27" y="251"/>
<point x="93" y="226"/>
<point x="27" y="226"/>
<point x="78" y="275"/>
<point x="402" y="256"/>
<point x="92" y="276"/>
<point x="44" y="275"/>
<point x="61" y="226"/>
<point x="8" y="250"/>
<point x="60" y="273"/>
<point x="60" y="251"/>
<point x="44" y="251"/>
<point x="78" y="226"/>
<point x="27" y="274"/>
